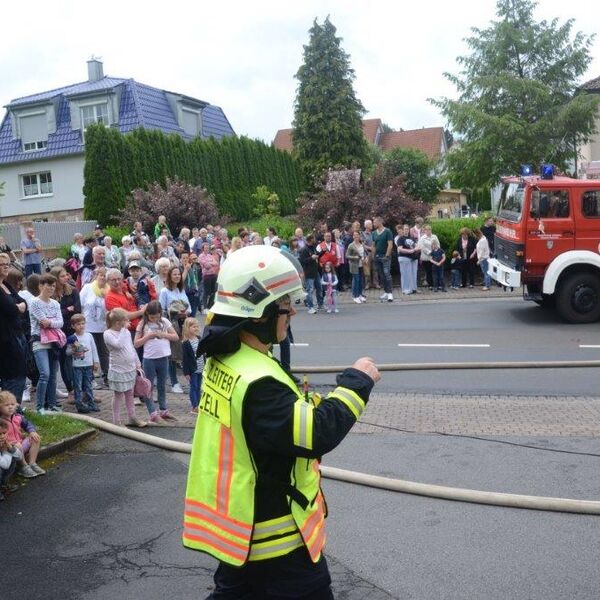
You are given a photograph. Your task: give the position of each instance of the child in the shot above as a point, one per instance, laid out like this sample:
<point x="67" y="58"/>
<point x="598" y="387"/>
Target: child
<point x="455" y="270"/>
<point x="155" y="333"/>
<point x="438" y="258"/>
<point x="193" y="365"/>
<point x="9" y="456"/>
<point x="123" y="365"/>
<point x="18" y="425"/>
<point x="329" y="282"/>
<point x="85" y="361"/>
<point x="140" y="286"/>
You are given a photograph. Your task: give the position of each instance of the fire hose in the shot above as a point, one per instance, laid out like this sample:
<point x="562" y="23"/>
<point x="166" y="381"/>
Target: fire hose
<point x="590" y="507"/>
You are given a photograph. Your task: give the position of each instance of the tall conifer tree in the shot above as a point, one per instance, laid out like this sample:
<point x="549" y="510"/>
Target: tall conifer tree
<point x="327" y="114"/>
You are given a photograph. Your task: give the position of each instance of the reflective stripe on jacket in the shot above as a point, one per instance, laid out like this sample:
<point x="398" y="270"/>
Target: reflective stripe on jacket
<point x="220" y="497"/>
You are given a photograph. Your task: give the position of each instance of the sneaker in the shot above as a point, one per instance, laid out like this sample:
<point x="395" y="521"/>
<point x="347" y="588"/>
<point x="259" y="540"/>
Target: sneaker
<point x="194" y="410"/>
<point x="54" y="409"/>
<point x="137" y="401"/>
<point x="485" y="289"/>
<point x="357" y="300"/>
<point x="363" y="298"/>
<point x="390" y="297"/>
<point x="37" y="469"/>
<point x="383" y="296"/>
<point x="9" y="488"/>
<point x="42" y="411"/>
<point x="61" y="394"/>
<point x="27" y="472"/>
<point x="95" y="385"/>
<point x="83" y="410"/>
<point x="167" y="416"/>
<point x="329" y="311"/>
<point x="177" y="389"/>
<point x="337" y="310"/>
<point x="155" y="418"/>
<point x="312" y="311"/>
<point x="471" y="287"/>
<point x="136" y="423"/>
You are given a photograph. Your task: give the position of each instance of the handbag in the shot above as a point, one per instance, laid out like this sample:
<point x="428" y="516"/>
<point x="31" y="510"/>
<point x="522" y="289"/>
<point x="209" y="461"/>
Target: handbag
<point x="142" y="387"/>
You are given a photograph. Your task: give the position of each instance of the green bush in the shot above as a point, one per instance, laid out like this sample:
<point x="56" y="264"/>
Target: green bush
<point x="116" y="233"/>
<point x="448" y="231"/>
<point x="284" y="227"/>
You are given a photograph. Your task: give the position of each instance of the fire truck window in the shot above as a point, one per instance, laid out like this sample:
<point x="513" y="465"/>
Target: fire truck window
<point x="552" y="204"/>
<point x="590" y="203"/>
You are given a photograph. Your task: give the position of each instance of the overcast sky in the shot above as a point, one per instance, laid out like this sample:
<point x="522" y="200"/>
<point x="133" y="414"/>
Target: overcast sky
<point x="243" y="56"/>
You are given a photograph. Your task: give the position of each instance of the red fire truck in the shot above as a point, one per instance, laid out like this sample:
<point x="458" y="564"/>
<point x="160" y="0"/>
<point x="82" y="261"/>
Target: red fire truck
<point x="548" y="241"/>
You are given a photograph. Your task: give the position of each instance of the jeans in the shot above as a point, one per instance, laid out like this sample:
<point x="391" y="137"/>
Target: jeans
<point x="408" y="274"/>
<point x="82" y="384"/>
<point x="314" y="284"/>
<point x="487" y="280"/>
<point x="173" y="373"/>
<point x="195" y="384"/>
<point x="357" y="280"/>
<point x="47" y="363"/>
<point x="455" y="274"/>
<point x="383" y="264"/>
<point x="438" y="277"/>
<point x="16" y="386"/>
<point x="194" y="298"/>
<point x="36" y="268"/>
<point x="156" y="369"/>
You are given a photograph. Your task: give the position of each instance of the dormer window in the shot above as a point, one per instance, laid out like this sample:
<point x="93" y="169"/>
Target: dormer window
<point x="94" y="113"/>
<point x="191" y="121"/>
<point x="33" y="129"/>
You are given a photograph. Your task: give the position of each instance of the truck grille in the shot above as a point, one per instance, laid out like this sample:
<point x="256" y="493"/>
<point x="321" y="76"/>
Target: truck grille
<point x="506" y="252"/>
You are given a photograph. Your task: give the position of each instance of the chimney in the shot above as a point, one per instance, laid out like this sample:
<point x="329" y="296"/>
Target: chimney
<point x="95" y="70"/>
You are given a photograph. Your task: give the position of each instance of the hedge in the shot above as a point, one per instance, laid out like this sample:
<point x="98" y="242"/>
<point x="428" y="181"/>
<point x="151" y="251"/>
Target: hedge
<point x="230" y="169"/>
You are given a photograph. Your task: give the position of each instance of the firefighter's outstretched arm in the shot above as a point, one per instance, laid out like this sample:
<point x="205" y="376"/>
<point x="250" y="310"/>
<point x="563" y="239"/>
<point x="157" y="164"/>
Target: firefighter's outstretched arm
<point x="276" y="420"/>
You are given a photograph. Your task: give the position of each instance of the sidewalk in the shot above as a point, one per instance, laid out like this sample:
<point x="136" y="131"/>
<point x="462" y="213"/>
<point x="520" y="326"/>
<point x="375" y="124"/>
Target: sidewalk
<point x="424" y="293"/>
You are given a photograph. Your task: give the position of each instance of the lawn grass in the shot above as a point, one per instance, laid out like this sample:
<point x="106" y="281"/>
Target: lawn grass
<point x="54" y="428"/>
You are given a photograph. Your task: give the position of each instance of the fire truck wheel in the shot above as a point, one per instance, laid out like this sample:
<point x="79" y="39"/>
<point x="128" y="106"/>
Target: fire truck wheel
<point x="578" y="298"/>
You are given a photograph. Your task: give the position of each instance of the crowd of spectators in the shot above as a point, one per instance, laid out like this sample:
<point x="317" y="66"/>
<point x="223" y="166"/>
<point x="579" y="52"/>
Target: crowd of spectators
<point x="155" y="286"/>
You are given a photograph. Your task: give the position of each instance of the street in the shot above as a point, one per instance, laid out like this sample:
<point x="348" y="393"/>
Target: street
<point x="106" y="521"/>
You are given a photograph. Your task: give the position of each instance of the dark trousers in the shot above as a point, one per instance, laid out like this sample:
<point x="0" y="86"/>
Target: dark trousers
<point x="66" y="368"/>
<point x="428" y="272"/>
<point x="438" y="277"/>
<point x="291" y="576"/>
<point x="29" y="269"/>
<point x="102" y="354"/>
<point x="285" y="355"/>
<point x="210" y="287"/>
<point x="468" y="269"/>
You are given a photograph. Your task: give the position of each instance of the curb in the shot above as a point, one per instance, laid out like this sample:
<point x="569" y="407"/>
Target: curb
<point x="66" y="444"/>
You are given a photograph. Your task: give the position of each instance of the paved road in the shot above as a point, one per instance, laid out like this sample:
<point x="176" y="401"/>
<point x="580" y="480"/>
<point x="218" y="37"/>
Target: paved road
<point x="507" y="328"/>
<point x="105" y="522"/>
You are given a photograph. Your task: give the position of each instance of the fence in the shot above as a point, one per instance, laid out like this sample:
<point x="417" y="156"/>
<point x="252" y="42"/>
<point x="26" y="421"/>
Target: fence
<point x="50" y="234"/>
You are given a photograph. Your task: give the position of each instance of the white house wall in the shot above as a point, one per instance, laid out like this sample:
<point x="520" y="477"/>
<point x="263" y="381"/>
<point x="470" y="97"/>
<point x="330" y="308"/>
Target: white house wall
<point x="67" y="187"/>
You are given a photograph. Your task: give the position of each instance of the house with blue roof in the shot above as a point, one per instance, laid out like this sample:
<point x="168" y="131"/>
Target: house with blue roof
<point x="42" y="138"/>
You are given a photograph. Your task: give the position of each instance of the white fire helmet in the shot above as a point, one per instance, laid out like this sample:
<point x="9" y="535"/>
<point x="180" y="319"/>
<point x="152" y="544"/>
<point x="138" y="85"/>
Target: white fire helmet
<point x="253" y="277"/>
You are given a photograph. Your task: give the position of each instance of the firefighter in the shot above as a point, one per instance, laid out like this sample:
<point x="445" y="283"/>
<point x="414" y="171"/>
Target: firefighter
<point x="253" y="498"/>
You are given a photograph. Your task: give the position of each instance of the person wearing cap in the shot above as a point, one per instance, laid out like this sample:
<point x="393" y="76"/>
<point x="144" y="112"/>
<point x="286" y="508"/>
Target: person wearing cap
<point x="253" y="497"/>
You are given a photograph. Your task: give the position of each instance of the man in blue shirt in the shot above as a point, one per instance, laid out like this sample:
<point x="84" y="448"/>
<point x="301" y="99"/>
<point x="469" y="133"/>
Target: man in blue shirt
<point x="32" y="253"/>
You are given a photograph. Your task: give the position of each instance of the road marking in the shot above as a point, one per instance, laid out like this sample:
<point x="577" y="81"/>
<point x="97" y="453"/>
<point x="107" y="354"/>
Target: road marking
<point x="589" y="346"/>
<point x="444" y="345"/>
<point x="298" y="345"/>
